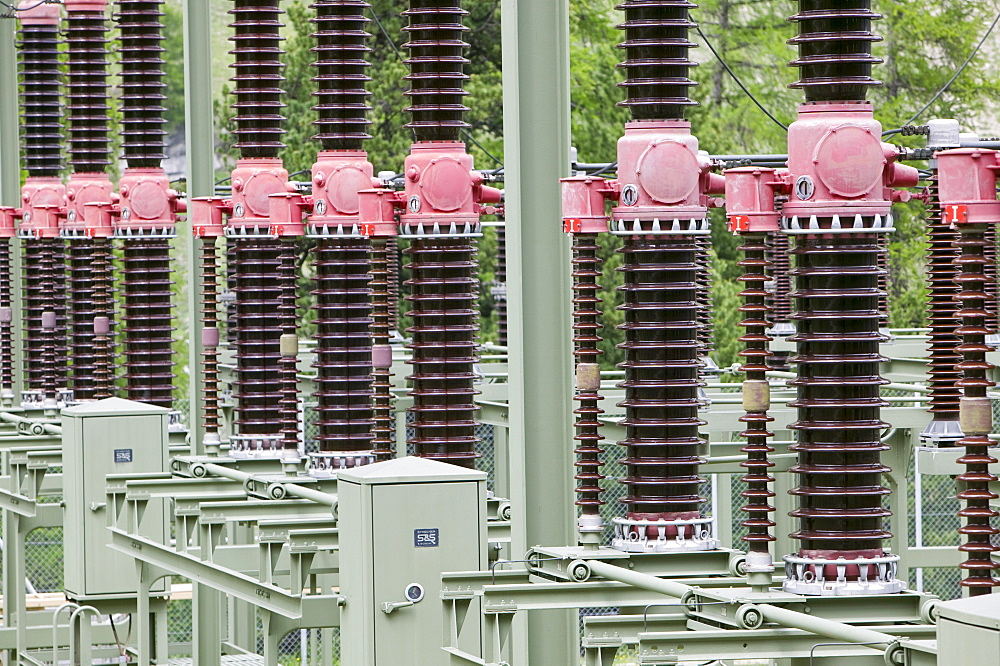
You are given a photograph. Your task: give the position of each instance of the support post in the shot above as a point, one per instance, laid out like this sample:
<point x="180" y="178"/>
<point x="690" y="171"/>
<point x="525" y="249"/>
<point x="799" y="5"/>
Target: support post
<point x="536" y="155"/>
<point x="10" y="167"/>
<point x="200" y="141"/>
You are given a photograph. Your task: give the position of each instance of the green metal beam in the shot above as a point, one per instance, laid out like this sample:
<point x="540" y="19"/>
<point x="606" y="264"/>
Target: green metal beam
<point x="10" y="163"/>
<point x="536" y="154"/>
<point x="200" y="146"/>
<point x="262" y="595"/>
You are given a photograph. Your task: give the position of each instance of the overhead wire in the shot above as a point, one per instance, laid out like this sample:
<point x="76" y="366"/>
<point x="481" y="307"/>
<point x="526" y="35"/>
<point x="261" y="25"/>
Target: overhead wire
<point x="746" y="90"/>
<point x="958" y="72"/>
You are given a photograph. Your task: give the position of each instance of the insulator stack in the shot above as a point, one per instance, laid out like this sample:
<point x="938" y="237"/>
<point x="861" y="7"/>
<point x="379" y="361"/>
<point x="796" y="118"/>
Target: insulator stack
<point x="437" y="69"/>
<point x="975" y="480"/>
<point x="343" y="349"/>
<point x="942" y="270"/>
<point x="258" y="297"/>
<point x="104" y="347"/>
<point x="43" y="285"/>
<point x="255" y="261"/>
<point x="148" y="321"/>
<point x="756" y="395"/>
<point x="288" y="365"/>
<point x="586" y="338"/>
<point x="839" y="421"/>
<point x="210" y="324"/>
<point x="990" y="270"/>
<point x="661" y="385"/>
<point x="500" y="300"/>
<point x="258" y="77"/>
<point x="392" y="263"/>
<point x="48" y="361"/>
<point x="342" y="101"/>
<point x="87" y="91"/>
<point x="142" y="126"/>
<point x="230" y="253"/>
<point x="41" y="104"/>
<point x="779" y="256"/>
<point x="883" y="280"/>
<point x="657" y="64"/>
<point x="705" y="329"/>
<point x="384" y="428"/>
<point x="835" y="49"/>
<point x="6" y="323"/>
<point x="445" y="323"/>
<point x="82" y="312"/>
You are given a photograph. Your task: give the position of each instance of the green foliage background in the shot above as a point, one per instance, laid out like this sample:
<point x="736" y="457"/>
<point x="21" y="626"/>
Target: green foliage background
<point x="924" y="44"/>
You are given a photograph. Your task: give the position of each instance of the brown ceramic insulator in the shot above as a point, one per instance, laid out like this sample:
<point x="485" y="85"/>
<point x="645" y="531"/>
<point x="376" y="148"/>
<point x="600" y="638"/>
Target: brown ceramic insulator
<point x="82" y="311"/>
<point x="41" y="104"/>
<point x="586" y="341"/>
<point x="392" y="259"/>
<point x="344" y="393"/>
<point x="778" y="299"/>
<point x="990" y="285"/>
<point x="142" y="88"/>
<point x="210" y="320"/>
<point x="661" y="377"/>
<point x="341" y="50"/>
<point x="147" y="321"/>
<point x="942" y="270"/>
<point x="500" y="303"/>
<point x="47" y="361"/>
<point x="755" y="354"/>
<point x="975" y="480"/>
<point x="657" y="64"/>
<point x="288" y="365"/>
<point x="257" y="330"/>
<point x="384" y="428"/>
<point x="43" y="286"/>
<point x="705" y="330"/>
<point x="87" y="91"/>
<point x="104" y="348"/>
<point x="838" y="405"/>
<point x="231" y="288"/>
<point x="779" y="257"/>
<point x="258" y="77"/>
<point x="445" y="323"/>
<point x="437" y="66"/>
<point x="835" y="49"/>
<point x="6" y="328"/>
<point x="883" y="280"/>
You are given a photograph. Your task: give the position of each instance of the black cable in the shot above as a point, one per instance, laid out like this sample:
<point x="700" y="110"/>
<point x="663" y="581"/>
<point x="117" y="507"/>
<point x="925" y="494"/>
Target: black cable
<point x="737" y="79"/>
<point x="385" y="33"/>
<point x="15" y="8"/>
<point x="480" y="146"/>
<point x="957" y="73"/>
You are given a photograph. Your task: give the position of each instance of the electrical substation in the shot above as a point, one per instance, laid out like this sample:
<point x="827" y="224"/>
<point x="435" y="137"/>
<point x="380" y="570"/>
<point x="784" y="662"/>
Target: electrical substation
<point x="406" y="495"/>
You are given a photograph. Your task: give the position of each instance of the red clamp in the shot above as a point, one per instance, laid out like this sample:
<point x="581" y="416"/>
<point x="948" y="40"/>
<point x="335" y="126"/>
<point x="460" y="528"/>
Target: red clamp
<point x="206" y="215"/>
<point x="967" y="182"/>
<point x="750" y="199"/>
<point x="377" y="212"/>
<point x="583" y="199"/>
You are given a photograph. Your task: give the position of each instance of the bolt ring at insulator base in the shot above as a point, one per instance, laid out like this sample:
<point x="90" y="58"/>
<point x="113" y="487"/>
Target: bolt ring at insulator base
<point x="876" y="575"/>
<point x="690" y="534"/>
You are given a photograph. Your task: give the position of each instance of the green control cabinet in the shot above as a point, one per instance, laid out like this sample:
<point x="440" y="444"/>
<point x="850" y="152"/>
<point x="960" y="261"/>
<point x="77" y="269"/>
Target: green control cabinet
<point x="969" y="631"/>
<point x="112" y="436"/>
<point x="401" y="524"/>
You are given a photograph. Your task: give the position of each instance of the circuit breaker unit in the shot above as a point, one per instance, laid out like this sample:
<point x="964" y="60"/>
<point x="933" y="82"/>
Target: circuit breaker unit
<point x="969" y="631"/>
<point x="407" y="520"/>
<point x="111" y="436"/>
